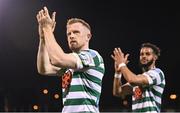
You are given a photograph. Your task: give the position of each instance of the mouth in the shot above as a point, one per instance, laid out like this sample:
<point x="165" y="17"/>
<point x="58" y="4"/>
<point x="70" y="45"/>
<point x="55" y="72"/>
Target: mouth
<point x="73" y="42"/>
<point x="144" y="61"/>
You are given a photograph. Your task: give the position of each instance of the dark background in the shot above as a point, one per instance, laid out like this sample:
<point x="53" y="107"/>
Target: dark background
<point x="124" y="24"/>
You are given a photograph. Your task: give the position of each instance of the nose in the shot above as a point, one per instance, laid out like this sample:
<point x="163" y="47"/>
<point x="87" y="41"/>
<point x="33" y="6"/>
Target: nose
<point x="71" y="35"/>
<point x="143" y="55"/>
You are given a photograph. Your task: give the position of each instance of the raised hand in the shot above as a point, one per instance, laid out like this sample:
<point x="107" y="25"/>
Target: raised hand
<point x="119" y="58"/>
<point x="44" y="20"/>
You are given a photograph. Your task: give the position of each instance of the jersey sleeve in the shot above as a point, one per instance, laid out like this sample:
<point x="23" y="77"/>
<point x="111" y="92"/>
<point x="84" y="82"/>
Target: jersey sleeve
<point x="154" y="77"/>
<point x="87" y="59"/>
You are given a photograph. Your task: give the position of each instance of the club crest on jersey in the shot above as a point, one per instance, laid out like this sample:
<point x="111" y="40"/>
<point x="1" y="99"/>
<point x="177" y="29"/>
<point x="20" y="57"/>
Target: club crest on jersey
<point x="137" y="93"/>
<point x="66" y="79"/>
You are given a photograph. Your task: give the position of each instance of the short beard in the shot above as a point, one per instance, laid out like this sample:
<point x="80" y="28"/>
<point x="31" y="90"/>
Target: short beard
<point x="145" y="67"/>
<point x="74" y="49"/>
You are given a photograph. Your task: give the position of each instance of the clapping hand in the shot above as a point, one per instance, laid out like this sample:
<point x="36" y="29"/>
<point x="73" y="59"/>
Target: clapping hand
<point x="44" y="20"/>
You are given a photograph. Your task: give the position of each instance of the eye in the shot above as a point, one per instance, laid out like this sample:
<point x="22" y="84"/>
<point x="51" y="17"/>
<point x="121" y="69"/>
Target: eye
<point x="148" y="53"/>
<point x="68" y="33"/>
<point x="141" y="54"/>
<point x="75" y="32"/>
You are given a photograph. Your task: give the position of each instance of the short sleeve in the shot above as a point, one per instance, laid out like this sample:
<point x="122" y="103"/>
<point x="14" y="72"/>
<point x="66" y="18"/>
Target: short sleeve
<point x="154" y="76"/>
<point x="88" y="58"/>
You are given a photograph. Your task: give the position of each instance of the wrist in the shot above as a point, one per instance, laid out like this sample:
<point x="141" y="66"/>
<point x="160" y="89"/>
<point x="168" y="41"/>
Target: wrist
<point x="47" y="27"/>
<point x="121" y="65"/>
<point x="118" y="75"/>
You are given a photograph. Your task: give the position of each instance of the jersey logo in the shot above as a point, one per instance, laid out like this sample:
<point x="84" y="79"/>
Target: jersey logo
<point x="137" y="93"/>
<point x="66" y="79"/>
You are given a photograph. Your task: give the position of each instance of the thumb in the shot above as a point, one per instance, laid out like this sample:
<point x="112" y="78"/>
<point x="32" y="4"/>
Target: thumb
<point x="53" y="16"/>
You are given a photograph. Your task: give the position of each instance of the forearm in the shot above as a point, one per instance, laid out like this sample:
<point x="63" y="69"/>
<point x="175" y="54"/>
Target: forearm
<point x="132" y="78"/>
<point x="42" y="57"/>
<point x="44" y="66"/>
<point x="116" y="87"/>
<point x="54" y="51"/>
<point x="128" y="74"/>
<point x="117" y="90"/>
<point x="121" y="90"/>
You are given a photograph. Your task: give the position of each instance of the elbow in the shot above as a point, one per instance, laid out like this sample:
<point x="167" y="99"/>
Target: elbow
<point x="41" y="71"/>
<point x="131" y="81"/>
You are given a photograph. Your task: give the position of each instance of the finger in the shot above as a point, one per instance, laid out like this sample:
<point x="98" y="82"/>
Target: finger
<point x="126" y="56"/>
<point x="112" y="56"/>
<point x="46" y="12"/>
<point x="38" y="17"/>
<point x="120" y="52"/>
<point x="119" y="49"/>
<point x="127" y="61"/>
<point x="41" y="14"/>
<point x="54" y="25"/>
<point x="115" y="52"/>
<point x="54" y="16"/>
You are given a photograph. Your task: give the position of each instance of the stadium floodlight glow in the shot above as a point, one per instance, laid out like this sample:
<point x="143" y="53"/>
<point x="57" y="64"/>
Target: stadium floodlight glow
<point x="125" y="102"/>
<point x="56" y="96"/>
<point x="35" y="107"/>
<point x="45" y="91"/>
<point x="173" y="96"/>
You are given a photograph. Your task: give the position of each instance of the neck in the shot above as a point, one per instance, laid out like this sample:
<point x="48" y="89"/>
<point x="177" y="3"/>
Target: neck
<point x="144" y="69"/>
<point x="77" y="50"/>
<point x="85" y="47"/>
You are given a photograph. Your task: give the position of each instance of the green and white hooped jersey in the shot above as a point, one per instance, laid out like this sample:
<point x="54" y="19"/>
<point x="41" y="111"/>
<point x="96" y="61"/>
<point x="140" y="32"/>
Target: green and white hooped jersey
<point x="82" y="87"/>
<point x="148" y="98"/>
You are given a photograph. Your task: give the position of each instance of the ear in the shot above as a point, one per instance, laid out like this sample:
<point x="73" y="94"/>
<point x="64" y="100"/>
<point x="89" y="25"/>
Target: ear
<point x="155" y="57"/>
<point x="89" y="36"/>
